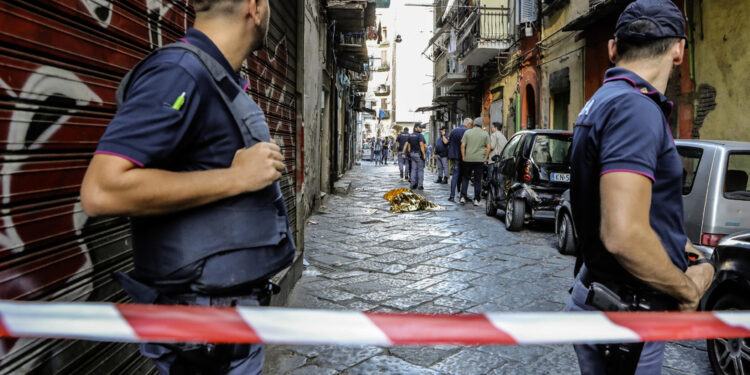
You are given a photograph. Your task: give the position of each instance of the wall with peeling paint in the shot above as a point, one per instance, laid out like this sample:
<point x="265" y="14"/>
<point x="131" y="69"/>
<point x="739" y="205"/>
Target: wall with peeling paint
<point x="722" y="61"/>
<point x="314" y="57"/>
<point x="562" y="51"/>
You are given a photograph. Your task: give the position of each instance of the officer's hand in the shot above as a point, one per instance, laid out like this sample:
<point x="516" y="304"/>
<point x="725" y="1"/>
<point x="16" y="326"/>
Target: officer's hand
<point x="702" y="275"/>
<point x="692" y="304"/>
<point x="258" y="166"/>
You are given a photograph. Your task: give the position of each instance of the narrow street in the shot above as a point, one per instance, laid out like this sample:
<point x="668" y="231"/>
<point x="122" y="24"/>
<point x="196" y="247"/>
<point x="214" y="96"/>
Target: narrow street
<point x="457" y="260"/>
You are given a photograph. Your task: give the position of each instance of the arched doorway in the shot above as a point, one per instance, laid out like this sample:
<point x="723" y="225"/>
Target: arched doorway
<point x="530" y="107"/>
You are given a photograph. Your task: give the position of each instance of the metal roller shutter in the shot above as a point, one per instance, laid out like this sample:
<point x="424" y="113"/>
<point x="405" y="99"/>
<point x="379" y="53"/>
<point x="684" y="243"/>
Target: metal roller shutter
<point x="272" y="74"/>
<point x="60" y="64"/>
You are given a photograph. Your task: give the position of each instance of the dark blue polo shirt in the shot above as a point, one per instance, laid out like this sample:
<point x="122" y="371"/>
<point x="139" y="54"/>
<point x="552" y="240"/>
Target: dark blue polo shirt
<point x="624" y="128"/>
<point x="414" y="139"/>
<point x="402" y="139"/>
<point x="202" y="135"/>
<point x="441" y="148"/>
<point x="454" y="142"/>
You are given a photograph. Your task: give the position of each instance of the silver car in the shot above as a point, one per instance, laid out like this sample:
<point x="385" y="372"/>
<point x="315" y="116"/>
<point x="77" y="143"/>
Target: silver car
<point x="715" y="190"/>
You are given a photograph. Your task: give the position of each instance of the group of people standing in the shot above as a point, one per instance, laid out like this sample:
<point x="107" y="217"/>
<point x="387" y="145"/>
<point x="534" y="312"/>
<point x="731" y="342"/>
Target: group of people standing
<point x="380" y="150"/>
<point x="465" y="152"/>
<point x="469" y="149"/>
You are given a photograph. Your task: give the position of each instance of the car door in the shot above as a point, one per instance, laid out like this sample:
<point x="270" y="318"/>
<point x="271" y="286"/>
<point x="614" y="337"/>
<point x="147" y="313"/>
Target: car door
<point x="508" y="161"/>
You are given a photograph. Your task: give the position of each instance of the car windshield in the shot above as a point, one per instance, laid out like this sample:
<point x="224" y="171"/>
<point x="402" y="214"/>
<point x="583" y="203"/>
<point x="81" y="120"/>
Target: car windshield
<point x="552" y="149"/>
<point x="736" y="179"/>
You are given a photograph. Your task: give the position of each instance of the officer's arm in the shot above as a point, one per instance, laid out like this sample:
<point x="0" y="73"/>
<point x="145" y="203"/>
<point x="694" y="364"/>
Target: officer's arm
<point x="626" y="233"/>
<point x="422" y="147"/>
<point x="406" y="146"/>
<point x="463" y="150"/>
<point x="114" y="186"/>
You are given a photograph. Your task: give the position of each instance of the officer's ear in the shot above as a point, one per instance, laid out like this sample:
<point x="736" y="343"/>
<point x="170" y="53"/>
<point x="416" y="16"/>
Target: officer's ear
<point x="678" y="52"/>
<point x="252" y="11"/>
<point x="612" y="50"/>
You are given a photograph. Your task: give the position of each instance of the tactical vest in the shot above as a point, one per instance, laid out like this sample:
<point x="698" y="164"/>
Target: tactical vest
<point x="166" y="243"/>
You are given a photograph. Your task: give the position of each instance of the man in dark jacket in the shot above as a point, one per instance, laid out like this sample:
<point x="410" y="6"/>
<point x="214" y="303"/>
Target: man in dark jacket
<point x="454" y="154"/>
<point x="441" y="156"/>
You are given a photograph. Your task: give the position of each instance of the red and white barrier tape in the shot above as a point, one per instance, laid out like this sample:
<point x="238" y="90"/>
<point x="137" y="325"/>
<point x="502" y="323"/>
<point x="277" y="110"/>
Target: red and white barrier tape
<point x="152" y="323"/>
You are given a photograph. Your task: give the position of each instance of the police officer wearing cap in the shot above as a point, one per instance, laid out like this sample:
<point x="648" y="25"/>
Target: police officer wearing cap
<point x="209" y="223"/>
<point x="403" y="162"/>
<point x="415" y="148"/>
<point x="626" y="184"/>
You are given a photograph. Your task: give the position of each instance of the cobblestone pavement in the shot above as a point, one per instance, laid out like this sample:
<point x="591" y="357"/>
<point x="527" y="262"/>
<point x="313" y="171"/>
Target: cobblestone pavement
<point x="361" y="257"/>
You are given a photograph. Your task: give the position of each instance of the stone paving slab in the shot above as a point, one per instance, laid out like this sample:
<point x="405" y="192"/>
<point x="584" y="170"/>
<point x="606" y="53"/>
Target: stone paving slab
<point x="455" y="260"/>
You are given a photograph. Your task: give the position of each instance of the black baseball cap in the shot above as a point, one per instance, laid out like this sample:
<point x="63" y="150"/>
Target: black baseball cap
<point x="669" y="21"/>
<point x="417" y="125"/>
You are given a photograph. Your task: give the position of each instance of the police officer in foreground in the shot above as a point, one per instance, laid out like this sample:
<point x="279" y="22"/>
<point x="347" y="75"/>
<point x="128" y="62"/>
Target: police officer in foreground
<point x="403" y="161"/>
<point x="626" y="186"/>
<point x="415" y="148"/>
<point x="209" y="223"/>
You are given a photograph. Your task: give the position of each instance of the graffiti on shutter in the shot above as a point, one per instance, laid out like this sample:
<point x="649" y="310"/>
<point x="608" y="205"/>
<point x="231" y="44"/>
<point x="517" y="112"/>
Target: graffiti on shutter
<point x="60" y="64"/>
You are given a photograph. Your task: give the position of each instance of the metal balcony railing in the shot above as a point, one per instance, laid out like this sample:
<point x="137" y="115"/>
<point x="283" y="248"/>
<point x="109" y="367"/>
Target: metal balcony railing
<point x="383" y="90"/>
<point x="483" y="24"/>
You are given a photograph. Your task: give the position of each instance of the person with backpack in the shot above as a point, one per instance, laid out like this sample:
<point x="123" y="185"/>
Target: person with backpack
<point x="189" y="158"/>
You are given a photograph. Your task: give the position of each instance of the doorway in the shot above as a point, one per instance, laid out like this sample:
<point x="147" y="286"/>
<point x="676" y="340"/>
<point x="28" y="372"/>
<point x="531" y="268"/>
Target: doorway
<point x="561" y="101"/>
<point x="530" y="107"/>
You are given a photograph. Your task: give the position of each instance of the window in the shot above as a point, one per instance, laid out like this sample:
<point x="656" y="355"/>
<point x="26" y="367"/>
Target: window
<point x="510" y="148"/>
<point x="736" y="178"/>
<point x="691" y="158"/>
<point x="552" y="149"/>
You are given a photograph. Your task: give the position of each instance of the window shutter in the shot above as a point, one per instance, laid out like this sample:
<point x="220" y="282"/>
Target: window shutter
<point x="528" y="11"/>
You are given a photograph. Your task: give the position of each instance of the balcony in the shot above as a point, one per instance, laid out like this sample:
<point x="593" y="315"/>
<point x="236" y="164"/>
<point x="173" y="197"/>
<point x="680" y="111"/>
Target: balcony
<point x="448" y="70"/>
<point x="383" y="68"/>
<point x="442" y="96"/>
<point x="383" y="90"/>
<point x="484" y="33"/>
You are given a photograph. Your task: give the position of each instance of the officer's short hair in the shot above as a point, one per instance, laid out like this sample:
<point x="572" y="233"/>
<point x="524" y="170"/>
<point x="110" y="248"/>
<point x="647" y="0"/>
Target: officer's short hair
<point x="406" y="129"/>
<point x="216" y="7"/>
<point x="631" y="49"/>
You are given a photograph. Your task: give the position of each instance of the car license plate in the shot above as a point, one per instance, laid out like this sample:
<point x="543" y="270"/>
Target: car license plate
<point x="560" y="177"/>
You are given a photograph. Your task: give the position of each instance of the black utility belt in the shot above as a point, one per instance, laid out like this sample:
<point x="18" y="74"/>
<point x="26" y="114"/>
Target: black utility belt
<point x="248" y="296"/>
<point x="640" y="297"/>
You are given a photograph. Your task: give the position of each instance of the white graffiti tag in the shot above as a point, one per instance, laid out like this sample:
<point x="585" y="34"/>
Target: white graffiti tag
<point x="46" y="85"/>
<point x="101" y="10"/>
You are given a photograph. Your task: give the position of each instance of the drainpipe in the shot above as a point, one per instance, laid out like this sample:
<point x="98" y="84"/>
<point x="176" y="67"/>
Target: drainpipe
<point x="518" y="112"/>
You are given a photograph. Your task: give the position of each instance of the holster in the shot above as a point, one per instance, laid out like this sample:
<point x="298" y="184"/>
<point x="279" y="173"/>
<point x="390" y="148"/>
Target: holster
<point x="623" y="358"/>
